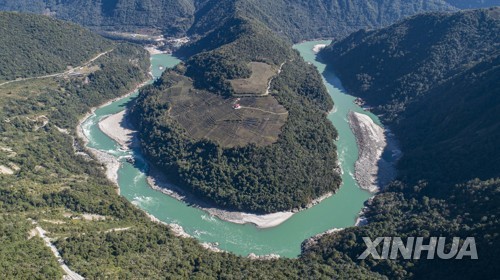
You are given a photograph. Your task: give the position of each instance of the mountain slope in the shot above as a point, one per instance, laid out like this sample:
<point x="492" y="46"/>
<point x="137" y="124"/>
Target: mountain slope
<point x="404" y="211"/>
<point x="472" y="4"/>
<point x="295" y="19"/>
<point x="37" y="151"/>
<point x="441" y="70"/>
<point x="407" y="74"/>
<point x="170" y="16"/>
<point x="34" y="45"/>
<point x="302" y="20"/>
<point x="453" y="134"/>
<point x="409" y="62"/>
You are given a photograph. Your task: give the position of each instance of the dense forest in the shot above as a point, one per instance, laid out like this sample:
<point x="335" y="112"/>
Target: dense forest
<point x="294" y="19"/>
<point x="438" y="90"/>
<point x="411" y="63"/>
<point x="301" y="20"/>
<point x="172" y="17"/>
<point x="41" y="53"/>
<point x="471" y="4"/>
<point x="288" y="174"/>
<point x="445" y="83"/>
<point x="470" y="210"/>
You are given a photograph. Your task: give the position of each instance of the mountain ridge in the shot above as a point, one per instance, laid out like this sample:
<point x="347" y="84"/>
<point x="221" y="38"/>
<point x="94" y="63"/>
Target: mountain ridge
<point x="52" y="52"/>
<point x="401" y="72"/>
<point x="448" y="177"/>
<point x="293" y="19"/>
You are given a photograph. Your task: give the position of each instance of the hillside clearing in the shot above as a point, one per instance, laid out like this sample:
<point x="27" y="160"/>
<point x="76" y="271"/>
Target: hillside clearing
<point x="258" y="82"/>
<point x="229" y="121"/>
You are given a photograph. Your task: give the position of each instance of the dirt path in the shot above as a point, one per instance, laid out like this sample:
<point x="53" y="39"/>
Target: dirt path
<point x="70" y="274"/>
<point x="59" y="74"/>
<point x="271" y="80"/>
<point x="118" y="229"/>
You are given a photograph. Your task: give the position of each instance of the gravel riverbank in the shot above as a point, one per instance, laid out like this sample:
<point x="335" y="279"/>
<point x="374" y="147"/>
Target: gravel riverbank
<point x="372" y="171"/>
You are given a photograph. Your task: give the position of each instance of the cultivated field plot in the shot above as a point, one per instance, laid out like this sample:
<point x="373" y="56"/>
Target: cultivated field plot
<point x="258" y="82"/>
<point x="229" y="121"/>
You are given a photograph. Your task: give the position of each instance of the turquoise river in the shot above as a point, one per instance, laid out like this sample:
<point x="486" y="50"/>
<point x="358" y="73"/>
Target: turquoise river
<point x="338" y="211"/>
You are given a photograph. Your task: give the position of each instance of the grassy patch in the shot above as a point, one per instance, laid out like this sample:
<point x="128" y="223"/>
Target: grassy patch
<point x="258" y="82"/>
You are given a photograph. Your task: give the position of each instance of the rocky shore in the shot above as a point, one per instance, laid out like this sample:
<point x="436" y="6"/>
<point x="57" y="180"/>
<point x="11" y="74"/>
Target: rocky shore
<point x="372" y="171"/>
<point x="312" y="241"/>
<point x="317" y="48"/>
<point x="111" y="163"/>
<point x="118" y="128"/>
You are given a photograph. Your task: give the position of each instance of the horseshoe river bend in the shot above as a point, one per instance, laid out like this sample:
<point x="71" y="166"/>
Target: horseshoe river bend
<point x="338" y="211"/>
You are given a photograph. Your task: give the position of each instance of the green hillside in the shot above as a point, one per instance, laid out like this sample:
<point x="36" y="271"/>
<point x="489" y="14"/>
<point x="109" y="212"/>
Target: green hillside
<point x="170" y="16"/>
<point x="295" y="169"/>
<point x="472" y="4"/>
<point x="33" y="45"/>
<point x="34" y="113"/>
<point x="301" y="20"/>
<point x="438" y="89"/>
<point x="434" y="78"/>
<point x="469" y="210"/>
<point x="295" y="19"/>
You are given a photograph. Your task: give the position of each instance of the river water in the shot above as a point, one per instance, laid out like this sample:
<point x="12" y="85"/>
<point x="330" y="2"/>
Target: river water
<point x="338" y="211"/>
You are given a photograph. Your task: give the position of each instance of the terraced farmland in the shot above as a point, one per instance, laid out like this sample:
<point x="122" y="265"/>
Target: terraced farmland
<point x="229" y="121"/>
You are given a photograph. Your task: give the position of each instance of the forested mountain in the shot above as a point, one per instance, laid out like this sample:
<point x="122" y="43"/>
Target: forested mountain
<point x="471" y="4"/>
<point x="455" y="131"/>
<point x="170" y="16"/>
<point x="302" y="19"/>
<point x="438" y="89"/>
<point x="410" y="62"/>
<point x="435" y="79"/>
<point x="287" y="174"/>
<point x="295" y="19"/>
<point x="40" y="157"/>
<point x="46" y="46"/>
<point x="469" y="210"/>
